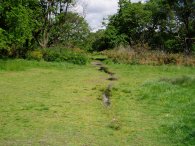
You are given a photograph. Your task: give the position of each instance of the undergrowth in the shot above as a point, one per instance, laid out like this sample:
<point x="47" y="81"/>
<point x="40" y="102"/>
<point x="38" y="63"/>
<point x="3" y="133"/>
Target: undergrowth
<point x="54" y="54"/>
<point x="144" y="56"/>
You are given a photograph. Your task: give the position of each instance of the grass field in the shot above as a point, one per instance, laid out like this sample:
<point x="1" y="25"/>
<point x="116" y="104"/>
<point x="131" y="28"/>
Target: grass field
<point x="59" y="104"/>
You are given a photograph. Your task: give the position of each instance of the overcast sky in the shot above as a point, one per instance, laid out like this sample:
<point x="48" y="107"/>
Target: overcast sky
<point x="96" y="10"/>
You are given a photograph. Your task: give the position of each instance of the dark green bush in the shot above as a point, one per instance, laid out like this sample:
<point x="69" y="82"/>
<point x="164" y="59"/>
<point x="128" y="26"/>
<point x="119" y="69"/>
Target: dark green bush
<point x="51" y="56"/>
<point x="173" y="46"/>
<point x="4" y="53"/>
<point x="193" y="47"/>
<point x="68" y="56"/>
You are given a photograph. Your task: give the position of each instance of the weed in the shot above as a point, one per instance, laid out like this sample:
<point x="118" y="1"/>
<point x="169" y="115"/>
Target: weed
<point x="114" y="124"/>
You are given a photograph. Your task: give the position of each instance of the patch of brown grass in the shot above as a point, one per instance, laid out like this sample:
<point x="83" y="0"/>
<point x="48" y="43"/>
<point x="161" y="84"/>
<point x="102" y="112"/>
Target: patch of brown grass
<point x="145" y="56"/>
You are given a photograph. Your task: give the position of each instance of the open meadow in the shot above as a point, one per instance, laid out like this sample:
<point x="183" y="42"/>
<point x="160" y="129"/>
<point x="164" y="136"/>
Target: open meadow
<point x="60" y="104"/>
<point x="97" y="73"/>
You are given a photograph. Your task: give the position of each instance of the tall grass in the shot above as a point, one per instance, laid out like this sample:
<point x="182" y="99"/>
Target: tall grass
<point x="144" y="56"/>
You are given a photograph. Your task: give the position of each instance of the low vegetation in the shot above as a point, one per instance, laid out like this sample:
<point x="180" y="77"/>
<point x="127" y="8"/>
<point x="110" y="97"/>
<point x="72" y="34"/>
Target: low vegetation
<point x="148" y="57"/>
<point x="150" y="105"/>
<point x="155" y="102"/>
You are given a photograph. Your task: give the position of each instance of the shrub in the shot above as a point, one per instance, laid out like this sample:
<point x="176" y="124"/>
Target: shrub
<point x="3" y="40"/>
<point x="77" y="58"/>
<point x="35" y="55"/>
<point x="68" y="56"/>
<point x="4" y="53"/>
<point x="51" y="56"/>
<point x="172" y="46"/>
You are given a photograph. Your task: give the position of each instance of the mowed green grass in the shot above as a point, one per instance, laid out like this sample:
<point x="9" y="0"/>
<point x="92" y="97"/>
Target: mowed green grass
<point x="60" y="104"/>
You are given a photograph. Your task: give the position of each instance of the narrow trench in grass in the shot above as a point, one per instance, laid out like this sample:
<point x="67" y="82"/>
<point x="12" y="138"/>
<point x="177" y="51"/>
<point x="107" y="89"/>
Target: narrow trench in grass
<point x="106" y="95"/>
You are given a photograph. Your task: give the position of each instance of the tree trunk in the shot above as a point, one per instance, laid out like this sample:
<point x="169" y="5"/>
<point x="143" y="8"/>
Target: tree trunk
<point x="44" y="40"/>
<point x="188" y="46"/>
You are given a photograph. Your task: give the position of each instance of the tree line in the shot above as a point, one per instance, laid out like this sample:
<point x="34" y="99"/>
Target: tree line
<point x="29" y="24"/>
<point x="166" y="25"/>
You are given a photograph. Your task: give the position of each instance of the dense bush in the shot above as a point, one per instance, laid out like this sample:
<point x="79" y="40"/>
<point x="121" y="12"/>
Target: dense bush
<point x="3" y="39"/>
<point x="68" y="56"/>
<point x="57" y="54"/>
<point x="173" y="46"/>
<point x="51" y="56"/>
<point x="35" y="55"/>
<point x="4" y="53"/>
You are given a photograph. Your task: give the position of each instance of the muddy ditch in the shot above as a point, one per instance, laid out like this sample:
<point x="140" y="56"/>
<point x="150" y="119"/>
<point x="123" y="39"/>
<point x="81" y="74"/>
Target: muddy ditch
<point x="106" y="95"/>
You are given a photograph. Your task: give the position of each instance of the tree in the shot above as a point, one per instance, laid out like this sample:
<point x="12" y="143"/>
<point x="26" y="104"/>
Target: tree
<point x="168" y="25"/>
<point x="16" y="26"/>
<point x="129" y="24"/>
<point x="29" y="24"/>
<point x="158" y="28"/>
<point x="72" y="33"/>
<point x="184" y="11"/>
<point x="52" y="13"/>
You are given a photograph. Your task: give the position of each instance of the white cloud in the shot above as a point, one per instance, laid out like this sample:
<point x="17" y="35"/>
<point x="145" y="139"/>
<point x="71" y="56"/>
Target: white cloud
<point x="96" y="10"/>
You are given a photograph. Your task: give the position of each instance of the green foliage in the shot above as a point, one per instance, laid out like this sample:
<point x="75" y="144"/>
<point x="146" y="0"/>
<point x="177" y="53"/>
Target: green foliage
<point x="52" y="56"/>
<point x="26" y="25"/>
<point x="3" y="39"/>
<point x="77" y="58"/>
<point x="20" y="28"/>
<point x="98" y="43"/>
<point x="16" y="23"/>
<point x="128" y="25"/>
<point x="173" y="46"/>
<point x="35" y="55"/>
<point x="66" y="55"/>
<point x="4" y="49"/>
<point x="165" y="25"/>
<point x="108" y="39"/>
<point x="73" y="31"/>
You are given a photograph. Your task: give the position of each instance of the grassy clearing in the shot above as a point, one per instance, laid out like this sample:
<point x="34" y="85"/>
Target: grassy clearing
<point x="60" y="104"/>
